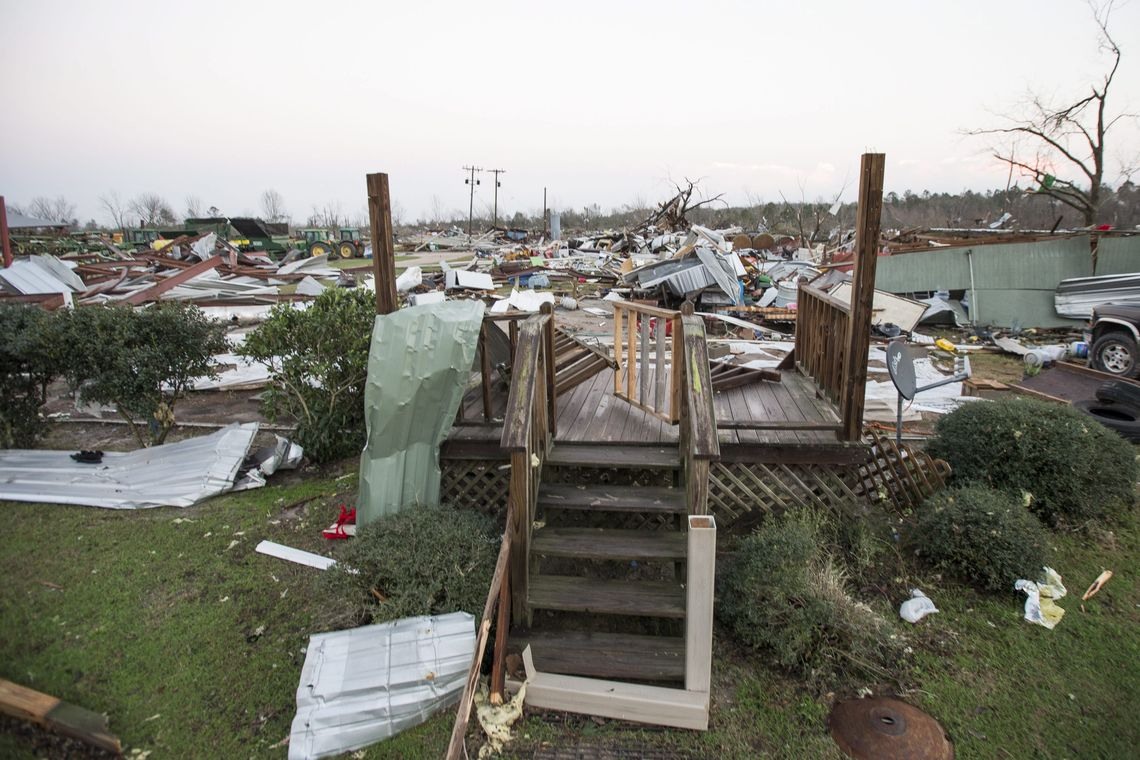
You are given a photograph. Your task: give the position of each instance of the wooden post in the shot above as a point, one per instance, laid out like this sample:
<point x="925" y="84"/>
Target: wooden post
<point x="485" y="368"/>
<point x="383" y="255"/>
<point x="701" y="557"/>
<point x="502" y="625"/>
<point x="862" y="293"/>
<point x="4" y="241"/>
<point x="617" y="348"/>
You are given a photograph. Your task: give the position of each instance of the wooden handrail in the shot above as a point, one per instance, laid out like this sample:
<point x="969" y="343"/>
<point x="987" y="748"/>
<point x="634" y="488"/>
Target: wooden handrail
<point x="524" y="382"/>
<point x="703" y="441"/>
<point x="699" y="442"/>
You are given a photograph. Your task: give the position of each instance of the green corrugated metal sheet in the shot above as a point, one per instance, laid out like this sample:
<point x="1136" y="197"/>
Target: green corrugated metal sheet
<point x="1118" y="255"/>
<point x="1015" y="281"/>
<point x="418" y="367"/>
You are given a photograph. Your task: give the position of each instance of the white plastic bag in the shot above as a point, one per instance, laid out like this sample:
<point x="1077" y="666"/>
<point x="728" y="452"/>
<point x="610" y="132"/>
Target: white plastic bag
<point x="917" y="607"/>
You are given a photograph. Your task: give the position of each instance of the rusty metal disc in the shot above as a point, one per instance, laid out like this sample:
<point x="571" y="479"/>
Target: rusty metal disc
<point x="887" y="729"/>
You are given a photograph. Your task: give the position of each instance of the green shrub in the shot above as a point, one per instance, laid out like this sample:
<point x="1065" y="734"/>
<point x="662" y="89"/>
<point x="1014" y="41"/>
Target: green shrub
<point x="27" y="367"/>
<point x="783" y="594"/>
<point x="318" y="363"/>
<point x="1074" y="467"/>
<point x="140" y="360"/>
<point x="981" y="535"/>
<point x="421" y="561"/>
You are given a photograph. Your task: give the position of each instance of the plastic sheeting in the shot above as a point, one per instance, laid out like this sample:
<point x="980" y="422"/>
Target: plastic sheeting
<point x="366" y="684"/>
<point x="418" y="367"/>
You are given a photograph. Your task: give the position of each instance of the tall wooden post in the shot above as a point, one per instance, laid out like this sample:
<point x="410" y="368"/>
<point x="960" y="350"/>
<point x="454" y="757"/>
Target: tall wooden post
<point x="862" y="293"/>
<point x="4" y="241"/>
<point x="383" y="255"/>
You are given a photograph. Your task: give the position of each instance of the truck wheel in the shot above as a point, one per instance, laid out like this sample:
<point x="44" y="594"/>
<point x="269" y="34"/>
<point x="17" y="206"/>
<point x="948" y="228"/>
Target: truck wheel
<point x="346" y="250"/>
<point x="319" y="249"/>
<point x="1125" y="420"/>
<point x="1115" y="353"/>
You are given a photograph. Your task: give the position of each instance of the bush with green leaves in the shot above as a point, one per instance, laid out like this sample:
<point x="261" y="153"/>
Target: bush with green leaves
<point x="1075" y="468"/>
<point x="981" y="535"/>
<point x="141" y="360"/>
<point x="420" y="561"/>
<point x="27" y="367"/>
<point x="784" y="594"/>
<point x="318" y="363"/>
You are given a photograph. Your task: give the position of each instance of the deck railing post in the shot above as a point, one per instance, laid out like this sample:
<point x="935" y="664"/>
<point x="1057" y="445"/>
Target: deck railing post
<point x="700" y="577"/>
<point x="862" y="292"/>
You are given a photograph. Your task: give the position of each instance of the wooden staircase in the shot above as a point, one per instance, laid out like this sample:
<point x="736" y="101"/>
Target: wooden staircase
<point x="582" y="530"/>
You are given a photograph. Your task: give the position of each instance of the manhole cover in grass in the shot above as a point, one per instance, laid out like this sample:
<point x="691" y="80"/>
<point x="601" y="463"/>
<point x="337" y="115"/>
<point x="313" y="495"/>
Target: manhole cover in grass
<point x="887" y="729"/>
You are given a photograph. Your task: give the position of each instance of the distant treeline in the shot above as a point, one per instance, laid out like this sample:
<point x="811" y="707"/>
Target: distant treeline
<point x="813" y="220"/>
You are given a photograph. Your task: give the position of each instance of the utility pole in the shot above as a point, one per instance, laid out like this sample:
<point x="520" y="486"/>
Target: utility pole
<point x="497" y="172"/>
<point x="545" y="216"/>
<point x="471" y="205"/>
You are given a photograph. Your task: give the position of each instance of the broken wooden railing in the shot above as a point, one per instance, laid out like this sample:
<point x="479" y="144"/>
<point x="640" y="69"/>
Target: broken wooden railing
<point x="493" y="342"/>
<point x="528" y="429"/>
<point x="822" y="325"/>
<point x="643" y="376"/>
<point x="698" y="434"/>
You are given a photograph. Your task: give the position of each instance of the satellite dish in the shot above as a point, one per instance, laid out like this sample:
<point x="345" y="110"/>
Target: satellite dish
<point x="900" y="366"/>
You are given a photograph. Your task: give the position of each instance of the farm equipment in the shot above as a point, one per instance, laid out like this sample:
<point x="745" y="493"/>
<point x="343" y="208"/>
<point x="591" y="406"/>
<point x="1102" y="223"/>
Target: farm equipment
<point x="347" y="244"/>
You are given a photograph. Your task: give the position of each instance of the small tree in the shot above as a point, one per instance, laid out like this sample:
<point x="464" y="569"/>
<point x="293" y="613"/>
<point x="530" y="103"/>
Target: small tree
<point x="116" y="209"/>
<point x="141" y="360"/>
<point x="273" y="206"/>
<point x="26" y="369"/>
<point x="318" y="363"/>
<point x="152" y="209"/>
<point x="1061" y="146"/>
<point x="57" y="209"/>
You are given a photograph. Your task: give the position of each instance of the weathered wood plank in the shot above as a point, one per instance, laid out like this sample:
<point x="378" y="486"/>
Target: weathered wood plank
<point x="56" y="715"/>
<point x="609" y="544"/>
<point x="700" y="575"/>
<point x="596" y="654"/>
<point x="585" y="455"/>
<point x="615" y="699"/>
<point x="607" y="597"/>
<point x="611" y="498"/>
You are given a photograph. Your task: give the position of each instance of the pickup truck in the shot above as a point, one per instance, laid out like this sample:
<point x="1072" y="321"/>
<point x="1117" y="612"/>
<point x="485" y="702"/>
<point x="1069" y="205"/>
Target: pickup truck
<point x="1115" y="337"/>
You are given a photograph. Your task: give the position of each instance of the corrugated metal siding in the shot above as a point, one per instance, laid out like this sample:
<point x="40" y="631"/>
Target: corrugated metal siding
<point x="1118" y="255"/>
<point x="1015" y="281"/>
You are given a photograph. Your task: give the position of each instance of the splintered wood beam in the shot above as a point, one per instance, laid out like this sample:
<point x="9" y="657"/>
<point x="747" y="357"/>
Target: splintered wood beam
<point x="862" y="293"/>
<point x="189" y="273"/>
<point x="58" y="716"/>
<point x="383" y="252"/>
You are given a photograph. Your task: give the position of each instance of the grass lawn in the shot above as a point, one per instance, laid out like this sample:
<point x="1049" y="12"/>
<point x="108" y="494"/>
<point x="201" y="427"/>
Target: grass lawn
<point x="168" y="621"/>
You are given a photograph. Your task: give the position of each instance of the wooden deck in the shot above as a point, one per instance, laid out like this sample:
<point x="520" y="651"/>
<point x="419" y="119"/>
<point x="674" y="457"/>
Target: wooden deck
<point x="591" y="413"/>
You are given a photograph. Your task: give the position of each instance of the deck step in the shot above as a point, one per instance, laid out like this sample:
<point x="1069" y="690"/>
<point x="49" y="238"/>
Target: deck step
<point x="607" y="456"/>
<point x="607" y="597"/>
<point x="633" y="657"/>
<point x="610" y="498"/>
<point x="609" y="543"/>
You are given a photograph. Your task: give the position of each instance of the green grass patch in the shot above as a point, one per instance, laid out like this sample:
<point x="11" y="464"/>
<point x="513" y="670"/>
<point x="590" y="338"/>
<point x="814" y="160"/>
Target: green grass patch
<point x="157" y="616"/>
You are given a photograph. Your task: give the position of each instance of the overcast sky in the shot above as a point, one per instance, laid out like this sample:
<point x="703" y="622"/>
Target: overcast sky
<point x="601" y="102"/>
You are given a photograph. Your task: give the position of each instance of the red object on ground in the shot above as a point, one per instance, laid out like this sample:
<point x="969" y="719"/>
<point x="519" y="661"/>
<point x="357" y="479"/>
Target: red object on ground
<point x="336" y="532"/>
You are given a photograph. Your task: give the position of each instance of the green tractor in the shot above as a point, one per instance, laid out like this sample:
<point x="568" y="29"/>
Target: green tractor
<point x="319" y="242"/>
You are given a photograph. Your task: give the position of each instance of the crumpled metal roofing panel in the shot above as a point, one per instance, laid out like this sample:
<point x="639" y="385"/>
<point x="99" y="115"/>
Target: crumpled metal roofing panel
<point x="418" y="368"/>
<point x="173" y="475"/>
<point x="366" y="684"/>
